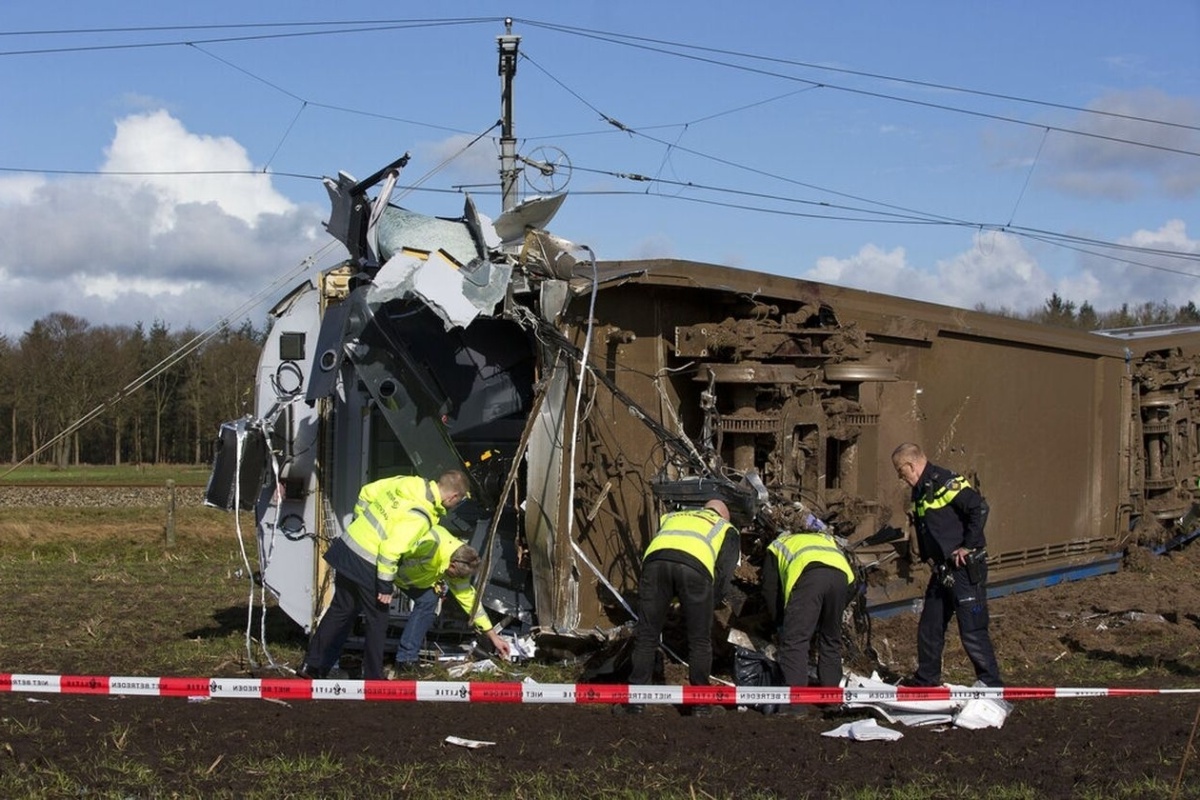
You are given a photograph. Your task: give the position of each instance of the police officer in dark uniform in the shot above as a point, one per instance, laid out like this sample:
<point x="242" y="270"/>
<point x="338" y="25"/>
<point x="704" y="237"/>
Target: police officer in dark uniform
<point x="949" y="515"/>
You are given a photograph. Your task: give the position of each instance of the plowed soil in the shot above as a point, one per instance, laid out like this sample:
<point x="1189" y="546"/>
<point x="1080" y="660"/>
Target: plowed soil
<point x="1139" y="627"/>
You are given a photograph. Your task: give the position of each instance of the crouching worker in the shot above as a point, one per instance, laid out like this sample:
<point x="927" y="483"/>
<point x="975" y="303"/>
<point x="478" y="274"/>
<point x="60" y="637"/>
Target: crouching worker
<point x="692" y="557"/>
<point x="434" y="565"/>
<point x="807" y="582"/>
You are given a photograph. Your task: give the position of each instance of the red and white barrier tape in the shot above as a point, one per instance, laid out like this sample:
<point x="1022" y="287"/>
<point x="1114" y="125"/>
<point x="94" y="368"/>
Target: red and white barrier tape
<point x="485" y="692"/>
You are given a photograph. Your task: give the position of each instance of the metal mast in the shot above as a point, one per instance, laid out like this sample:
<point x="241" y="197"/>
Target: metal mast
<point x="508" y="143"/>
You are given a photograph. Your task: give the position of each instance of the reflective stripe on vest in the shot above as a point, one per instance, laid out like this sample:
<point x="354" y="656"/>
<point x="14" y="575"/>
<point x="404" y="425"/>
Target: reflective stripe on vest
<point x="363" y="505"/>
<point x="818" y="549"/>
<point x="377" y="524"/>
<point x="942" y="497"/>
<point x="408" y="568"/>
<point x="706" y="555"/>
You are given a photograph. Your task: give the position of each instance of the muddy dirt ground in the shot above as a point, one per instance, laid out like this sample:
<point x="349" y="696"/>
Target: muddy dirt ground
<point x="1140" y="627"/>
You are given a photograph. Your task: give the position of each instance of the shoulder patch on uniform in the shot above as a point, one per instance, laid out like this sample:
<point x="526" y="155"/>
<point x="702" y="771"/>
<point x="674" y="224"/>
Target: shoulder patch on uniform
<point x="955" y="483"/>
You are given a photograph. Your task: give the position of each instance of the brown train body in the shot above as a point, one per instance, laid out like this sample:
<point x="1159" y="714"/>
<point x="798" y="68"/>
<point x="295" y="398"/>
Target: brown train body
<point x="586" y="398"/>
<point x="1080" y="442"/>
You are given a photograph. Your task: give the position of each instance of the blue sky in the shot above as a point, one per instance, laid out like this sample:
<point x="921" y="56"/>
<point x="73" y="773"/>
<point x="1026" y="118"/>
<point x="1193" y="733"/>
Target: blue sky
<point x="953" y="152"/>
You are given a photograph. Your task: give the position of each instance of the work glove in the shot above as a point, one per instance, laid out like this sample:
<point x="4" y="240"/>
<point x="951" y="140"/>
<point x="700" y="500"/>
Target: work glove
<point x="811" y="523"/>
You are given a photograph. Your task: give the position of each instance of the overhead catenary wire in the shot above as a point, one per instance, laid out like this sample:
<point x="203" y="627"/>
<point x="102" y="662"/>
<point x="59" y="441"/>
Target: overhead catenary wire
<point x="619" y="39"/>
<point x="918" y="217"/>
<point x="392" y="24"/>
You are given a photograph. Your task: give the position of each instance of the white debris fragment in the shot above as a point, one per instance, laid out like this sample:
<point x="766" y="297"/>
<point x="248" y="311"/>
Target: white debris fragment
<point x="984" y="712"/>
<point x="487" y="665"/>
<point x="471" y="744"/>
<point x="972" y="714"/>
<point x="522" y="648"/>
<point x="864" y="730"/>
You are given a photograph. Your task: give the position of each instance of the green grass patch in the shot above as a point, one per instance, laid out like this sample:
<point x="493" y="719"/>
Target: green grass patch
<point x="123" y="475"/>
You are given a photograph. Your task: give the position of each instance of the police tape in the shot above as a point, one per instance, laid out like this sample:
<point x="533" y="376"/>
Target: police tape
<point x="530" y="692"/>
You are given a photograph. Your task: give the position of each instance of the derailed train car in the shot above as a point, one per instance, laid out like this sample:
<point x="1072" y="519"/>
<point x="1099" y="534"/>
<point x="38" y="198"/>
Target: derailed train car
<point x="584" y="398"/>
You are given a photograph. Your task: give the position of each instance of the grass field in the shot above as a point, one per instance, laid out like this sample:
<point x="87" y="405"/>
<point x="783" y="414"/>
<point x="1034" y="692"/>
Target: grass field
<point x="125" y="475"/>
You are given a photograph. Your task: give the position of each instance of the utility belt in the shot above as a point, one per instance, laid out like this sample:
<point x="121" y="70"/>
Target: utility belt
<point x="975" y="567"/>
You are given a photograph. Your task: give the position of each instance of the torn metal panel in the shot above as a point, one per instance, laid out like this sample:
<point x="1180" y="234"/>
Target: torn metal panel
<point x="457" y="293"/>
<point x="532" y="214"/>
<point x="401" y="230"/>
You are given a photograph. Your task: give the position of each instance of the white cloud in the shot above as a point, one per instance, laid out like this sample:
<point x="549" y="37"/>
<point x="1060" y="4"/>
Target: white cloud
<point x="18" y="189"/>
<point x="157" y="142"/>
<point x="998" y="273"/>
<point x="476" y="164"/>
<point x="1107" y="163"/>
<point x="1143" y="276"/>
<point x="117" y="250"/>
<point x="655" y="246"/>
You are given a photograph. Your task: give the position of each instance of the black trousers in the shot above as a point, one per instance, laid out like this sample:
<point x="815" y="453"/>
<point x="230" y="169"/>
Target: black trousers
<point x="661" y="582"/>
<point x="349" y="600"/>
<point x="815" y="608"/>
<point x="968" y="602"/>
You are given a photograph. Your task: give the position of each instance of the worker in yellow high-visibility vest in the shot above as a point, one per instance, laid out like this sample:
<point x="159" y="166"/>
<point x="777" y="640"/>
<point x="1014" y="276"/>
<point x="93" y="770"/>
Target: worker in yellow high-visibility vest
<point x="807" y="582"/>
<point x="391" y="514"/>
<point x="692" y="557"/>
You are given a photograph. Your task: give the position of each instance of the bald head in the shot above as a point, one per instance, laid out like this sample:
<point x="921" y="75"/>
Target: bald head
<point x="719" y="507"/>
<point x="454" y="487"/>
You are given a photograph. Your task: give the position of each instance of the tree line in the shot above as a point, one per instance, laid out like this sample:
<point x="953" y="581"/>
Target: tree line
<point x="1064" y="313"/>
<point x="158" y="396"/>
<point x="122" y="394"/>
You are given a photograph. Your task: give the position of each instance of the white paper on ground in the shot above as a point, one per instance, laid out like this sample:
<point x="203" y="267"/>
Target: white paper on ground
<point x="487" y="665"/>
<point x="972" y="714"/>
<point x="984" y="712"/>
<point x="914" y="720"/>
<point x="923" y="712"/>
<point x="864" y="730"/>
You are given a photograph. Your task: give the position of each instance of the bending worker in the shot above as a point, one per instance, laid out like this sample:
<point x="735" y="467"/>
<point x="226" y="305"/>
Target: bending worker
<point x="692" y="557"/>
<point x="949" y="515"/>
<point x="390" y="514"/>
<point x="432" y="566"/>
<point x="807" y="582"/>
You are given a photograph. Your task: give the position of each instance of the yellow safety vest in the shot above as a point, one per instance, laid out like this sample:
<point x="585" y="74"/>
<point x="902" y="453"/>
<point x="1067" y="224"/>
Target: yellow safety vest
<point x="425" y="563"/>
<point x="698" y="532"/>
<point x="795" y="551"/>
<point x="391" y="514"/>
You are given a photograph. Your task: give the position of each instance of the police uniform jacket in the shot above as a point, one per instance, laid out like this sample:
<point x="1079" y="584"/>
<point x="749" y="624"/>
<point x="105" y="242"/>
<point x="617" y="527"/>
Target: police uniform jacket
<point x="949" y="513"/>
